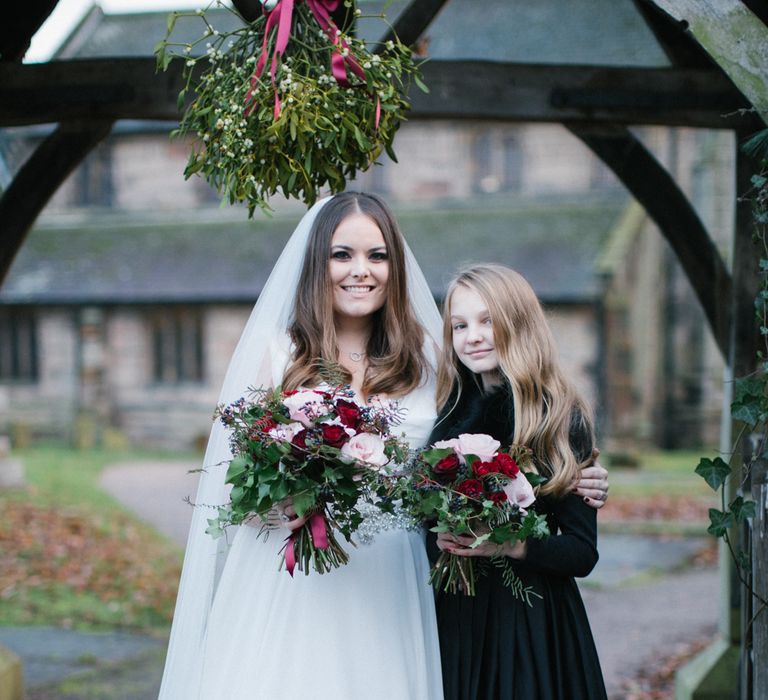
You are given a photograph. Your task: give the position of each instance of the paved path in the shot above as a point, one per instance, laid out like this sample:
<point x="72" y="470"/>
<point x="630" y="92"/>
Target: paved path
<point x="156" y="492"/>
<point x="642" y="601"/>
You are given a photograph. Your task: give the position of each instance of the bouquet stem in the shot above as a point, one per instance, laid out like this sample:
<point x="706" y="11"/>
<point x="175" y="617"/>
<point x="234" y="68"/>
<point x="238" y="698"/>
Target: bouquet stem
<point x="307" y="549"/>
<point x="452" y="574"/>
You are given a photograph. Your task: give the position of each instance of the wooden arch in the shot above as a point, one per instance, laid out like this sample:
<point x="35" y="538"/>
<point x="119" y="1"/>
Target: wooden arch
<point x="597" y="104"/>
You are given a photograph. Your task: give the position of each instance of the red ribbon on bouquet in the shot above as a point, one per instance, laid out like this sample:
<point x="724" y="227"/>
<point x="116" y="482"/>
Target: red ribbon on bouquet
<point x="281" y="17"/>
<point x="319" y="533"/>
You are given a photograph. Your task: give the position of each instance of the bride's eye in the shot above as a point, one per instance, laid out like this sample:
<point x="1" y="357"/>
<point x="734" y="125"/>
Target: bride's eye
<point x="339" y="255"/>
<point x="379" y="256"/>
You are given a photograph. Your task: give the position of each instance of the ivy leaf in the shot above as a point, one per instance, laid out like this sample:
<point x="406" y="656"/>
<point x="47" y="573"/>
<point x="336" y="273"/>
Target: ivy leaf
<point x="714" y="472"/>
<point x="421" y="84"/>
<point x="748" y="412"/>
<point x="719" y="522"/>
<point x="742" y="509"/>
<point x="743" y="561"/>
<point x="237" y="467"/>
<point x="302" y="502"/>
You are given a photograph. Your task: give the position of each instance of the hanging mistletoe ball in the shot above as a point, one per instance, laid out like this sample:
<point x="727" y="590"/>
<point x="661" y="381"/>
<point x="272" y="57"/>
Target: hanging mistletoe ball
<point x="288" y="103"/>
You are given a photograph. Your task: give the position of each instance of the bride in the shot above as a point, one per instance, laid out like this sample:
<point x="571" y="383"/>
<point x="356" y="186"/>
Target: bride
<point x="346" y="289"/>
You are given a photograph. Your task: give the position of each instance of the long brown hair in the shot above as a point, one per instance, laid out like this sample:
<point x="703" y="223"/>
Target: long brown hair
<point x="396" y="363"/>
<point x="545" y="402"/>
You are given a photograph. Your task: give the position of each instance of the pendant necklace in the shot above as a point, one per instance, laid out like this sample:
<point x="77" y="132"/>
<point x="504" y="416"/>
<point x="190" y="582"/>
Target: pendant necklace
<point x="356" y="356"/>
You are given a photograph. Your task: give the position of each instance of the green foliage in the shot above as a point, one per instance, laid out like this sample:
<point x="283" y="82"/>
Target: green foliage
<point x="294" y="131"/>
<point x="750" y="403"/>
<point x="714" y="472"/>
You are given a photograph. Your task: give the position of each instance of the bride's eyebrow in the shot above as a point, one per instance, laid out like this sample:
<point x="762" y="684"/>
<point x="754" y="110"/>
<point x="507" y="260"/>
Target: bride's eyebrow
<point x="375" y="249"/>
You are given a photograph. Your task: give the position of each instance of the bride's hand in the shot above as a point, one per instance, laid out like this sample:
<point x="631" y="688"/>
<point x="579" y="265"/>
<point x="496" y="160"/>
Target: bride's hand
<point x="288" y="517"/>
<point x="281" y="515"/>
<point x="593" y="484"/>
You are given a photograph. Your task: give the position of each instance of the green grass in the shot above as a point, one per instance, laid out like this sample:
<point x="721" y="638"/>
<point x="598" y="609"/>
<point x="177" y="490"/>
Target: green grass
<point x="74" y="556"/>
<point x="660" y="473"/>
<point x="63" y="476"/>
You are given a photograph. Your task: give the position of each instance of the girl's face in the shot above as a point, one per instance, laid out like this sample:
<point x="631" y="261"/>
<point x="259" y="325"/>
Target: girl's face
<point x="359" y="268"/>
<point x="472" y="333"/>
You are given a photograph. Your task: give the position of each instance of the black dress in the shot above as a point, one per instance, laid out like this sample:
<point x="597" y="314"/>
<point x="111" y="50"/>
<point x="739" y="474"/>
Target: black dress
<point x="496" y="647"/>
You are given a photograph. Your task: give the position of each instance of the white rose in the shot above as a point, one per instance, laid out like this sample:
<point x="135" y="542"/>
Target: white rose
<point x="304" y="406"/>
<point x="284" y="432"/>
<point x="365" y="447"/>
<point x="520" y="491"/>
<point x="482" y="446"/>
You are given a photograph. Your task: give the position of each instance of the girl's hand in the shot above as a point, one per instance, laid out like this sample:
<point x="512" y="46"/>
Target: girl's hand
<point x="593" y="485"/>
<point x="461" y="546"/>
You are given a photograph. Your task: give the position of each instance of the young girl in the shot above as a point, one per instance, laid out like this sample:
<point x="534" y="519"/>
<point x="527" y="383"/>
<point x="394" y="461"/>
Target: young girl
<point x="499" y="375"/>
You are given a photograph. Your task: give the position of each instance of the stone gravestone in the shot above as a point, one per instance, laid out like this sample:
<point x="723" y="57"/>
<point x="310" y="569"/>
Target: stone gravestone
<point x="11" y="470"/>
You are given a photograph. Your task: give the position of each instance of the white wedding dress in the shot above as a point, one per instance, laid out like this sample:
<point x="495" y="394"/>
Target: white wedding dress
<point x="365" y="630"/>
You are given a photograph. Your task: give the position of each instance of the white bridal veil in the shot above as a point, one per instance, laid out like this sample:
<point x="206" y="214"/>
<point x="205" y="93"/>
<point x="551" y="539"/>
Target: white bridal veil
<point x="205" y="556"/>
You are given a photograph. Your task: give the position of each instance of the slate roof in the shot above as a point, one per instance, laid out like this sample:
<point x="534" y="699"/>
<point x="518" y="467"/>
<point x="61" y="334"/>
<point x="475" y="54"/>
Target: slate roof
<point x="608" y="32"/>
<point x="129" y="259"/>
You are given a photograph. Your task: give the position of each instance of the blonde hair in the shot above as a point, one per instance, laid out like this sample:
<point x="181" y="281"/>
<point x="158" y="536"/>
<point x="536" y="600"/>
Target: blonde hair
<point x="396" y="362"/>
<point x="545" y="402"/>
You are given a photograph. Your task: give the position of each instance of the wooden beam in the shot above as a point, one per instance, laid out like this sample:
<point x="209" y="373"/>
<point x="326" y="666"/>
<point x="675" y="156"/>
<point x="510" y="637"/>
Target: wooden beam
<point x="667" y="205"/>
<point x="413" y="20"/>
<point x="250" y="10"/>
<point x="569" y="93"/>
<point x="759" y="8"/>
<point x="735" y="38"/>
<point x="679" y="46"/>
<point x="129" y="88"/>
<point x="39" y="178"/>
<point x="20" y="24"/>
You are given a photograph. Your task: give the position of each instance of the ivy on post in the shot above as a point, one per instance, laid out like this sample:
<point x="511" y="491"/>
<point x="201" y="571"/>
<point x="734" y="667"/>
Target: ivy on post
<point x="741" y="516"/>
<point x="290" y="102"/>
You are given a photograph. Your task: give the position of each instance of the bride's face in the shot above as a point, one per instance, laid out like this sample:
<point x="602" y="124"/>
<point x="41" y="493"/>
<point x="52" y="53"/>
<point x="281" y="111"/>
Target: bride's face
<point x="359" y="267"/>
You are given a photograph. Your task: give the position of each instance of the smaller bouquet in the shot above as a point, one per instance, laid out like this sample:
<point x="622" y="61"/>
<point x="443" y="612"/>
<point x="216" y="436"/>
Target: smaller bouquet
<point x="318" y="448"/>
<point x="471" y="487"/>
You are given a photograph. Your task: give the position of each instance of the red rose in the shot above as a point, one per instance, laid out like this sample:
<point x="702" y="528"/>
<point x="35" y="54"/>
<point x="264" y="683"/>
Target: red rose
<point x="472" y="488"/>
<point x="299" y="443"/>
<point x="334" y="435"/>
<point x="498" y="497"/>
<point x="481" y="469"/>
<point x="348" y="413"/>
<point x="447" y="468"/>
<point x="265" y="423"/>
<point x="506" y="464"/>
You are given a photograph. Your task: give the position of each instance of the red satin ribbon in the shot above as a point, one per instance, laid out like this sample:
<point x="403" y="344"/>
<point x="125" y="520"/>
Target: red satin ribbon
<point x="281" y="16"/>
<point x="319" y="533"/>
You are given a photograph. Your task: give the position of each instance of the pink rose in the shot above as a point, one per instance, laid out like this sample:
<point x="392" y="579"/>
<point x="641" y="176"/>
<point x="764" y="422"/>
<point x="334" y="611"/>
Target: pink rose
<point x="453" y="443"/>
<point x="305" y="406"/>
<point x="520" y="491"/>
<point x="482" y="446"/>
<point x="285" y="432"/>
<point x="365" y="447"/>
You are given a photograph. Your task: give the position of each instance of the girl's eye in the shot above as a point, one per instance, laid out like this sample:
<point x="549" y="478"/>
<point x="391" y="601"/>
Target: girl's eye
<point x="459" y="326"/>
<point x="340" y="255"/>
<point x="488" y="322"/>
<point x="378" y="257"/>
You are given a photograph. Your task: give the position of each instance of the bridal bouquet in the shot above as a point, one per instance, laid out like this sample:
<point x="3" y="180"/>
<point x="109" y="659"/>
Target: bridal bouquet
<point x="318" y="448"/>
<point x="471" y="487"/>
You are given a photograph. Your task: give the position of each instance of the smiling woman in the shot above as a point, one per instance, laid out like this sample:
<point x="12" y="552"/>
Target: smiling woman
<point x="366" y="629"/>
<point x="359" y="269"/>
